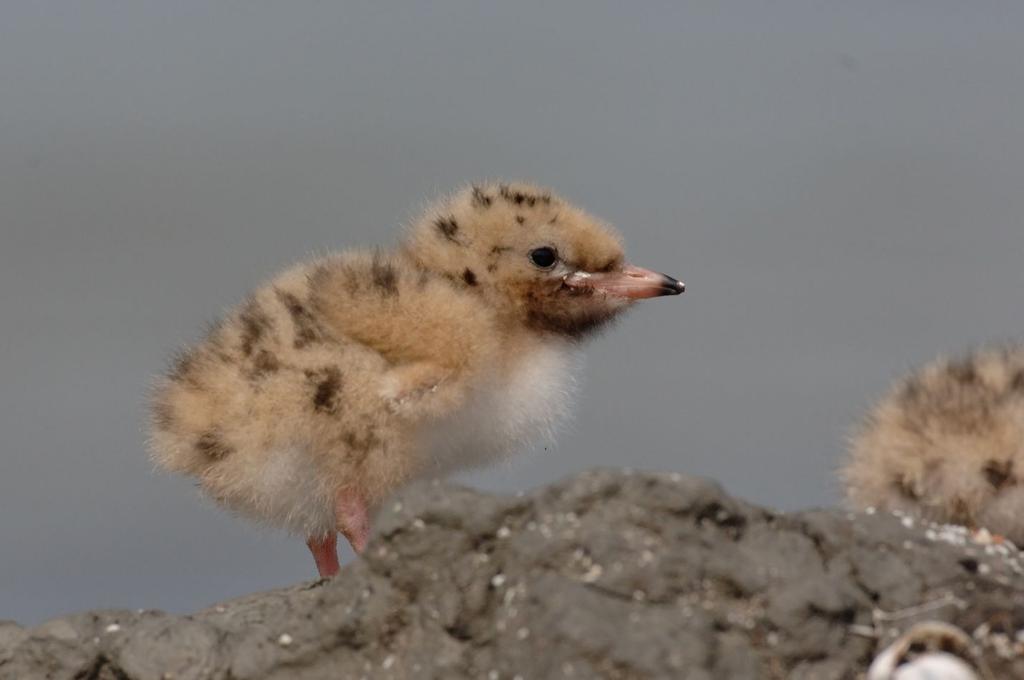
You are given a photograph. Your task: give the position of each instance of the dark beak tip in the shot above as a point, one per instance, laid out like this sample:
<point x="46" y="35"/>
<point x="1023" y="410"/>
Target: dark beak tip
<point x="673" y="286"/>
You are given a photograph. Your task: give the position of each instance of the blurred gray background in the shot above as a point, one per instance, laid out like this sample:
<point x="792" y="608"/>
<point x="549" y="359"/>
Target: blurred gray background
<point x="839" y="184"/>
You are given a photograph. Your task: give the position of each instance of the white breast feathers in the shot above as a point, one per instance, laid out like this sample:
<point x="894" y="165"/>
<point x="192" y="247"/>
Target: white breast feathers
<point x="519" y="408"/>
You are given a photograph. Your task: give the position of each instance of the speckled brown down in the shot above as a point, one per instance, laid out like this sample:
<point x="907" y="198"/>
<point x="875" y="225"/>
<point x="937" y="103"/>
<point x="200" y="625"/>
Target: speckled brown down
<point x="947" y="443"/>
<point x="348" y="376"/>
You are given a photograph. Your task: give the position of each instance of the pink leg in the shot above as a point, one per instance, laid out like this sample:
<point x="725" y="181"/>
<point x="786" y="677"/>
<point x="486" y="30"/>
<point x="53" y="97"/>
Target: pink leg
<point x="325" y="552"/>
<point x="352" y="517"/>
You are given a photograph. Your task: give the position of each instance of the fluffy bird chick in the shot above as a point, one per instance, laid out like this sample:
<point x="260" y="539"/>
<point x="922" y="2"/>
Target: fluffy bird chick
<point x="349" y="376"/>
<point x="947" y="444"/>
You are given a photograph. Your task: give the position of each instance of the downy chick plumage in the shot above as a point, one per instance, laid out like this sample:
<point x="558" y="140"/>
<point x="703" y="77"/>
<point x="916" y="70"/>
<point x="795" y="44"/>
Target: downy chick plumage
<point x="346" y="377"/>
<point x="947" y="444"/>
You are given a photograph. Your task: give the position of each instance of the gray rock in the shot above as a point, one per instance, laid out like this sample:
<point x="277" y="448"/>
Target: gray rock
<point x="606" y="575"/>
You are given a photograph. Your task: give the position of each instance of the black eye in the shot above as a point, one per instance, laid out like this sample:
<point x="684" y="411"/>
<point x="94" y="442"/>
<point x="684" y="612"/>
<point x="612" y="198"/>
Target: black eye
<point x="545" y="257"/>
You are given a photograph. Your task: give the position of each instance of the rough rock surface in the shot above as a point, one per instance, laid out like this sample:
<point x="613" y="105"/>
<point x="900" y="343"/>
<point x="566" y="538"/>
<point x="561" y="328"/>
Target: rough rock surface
<point x="607" y="575"/>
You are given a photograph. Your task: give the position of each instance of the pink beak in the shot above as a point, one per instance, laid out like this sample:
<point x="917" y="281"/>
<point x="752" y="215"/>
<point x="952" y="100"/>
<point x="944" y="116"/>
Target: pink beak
<point x="631" y="283"/>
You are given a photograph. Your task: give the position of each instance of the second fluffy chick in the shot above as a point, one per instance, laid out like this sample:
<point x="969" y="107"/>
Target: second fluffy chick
<point x="947" y="444"/>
